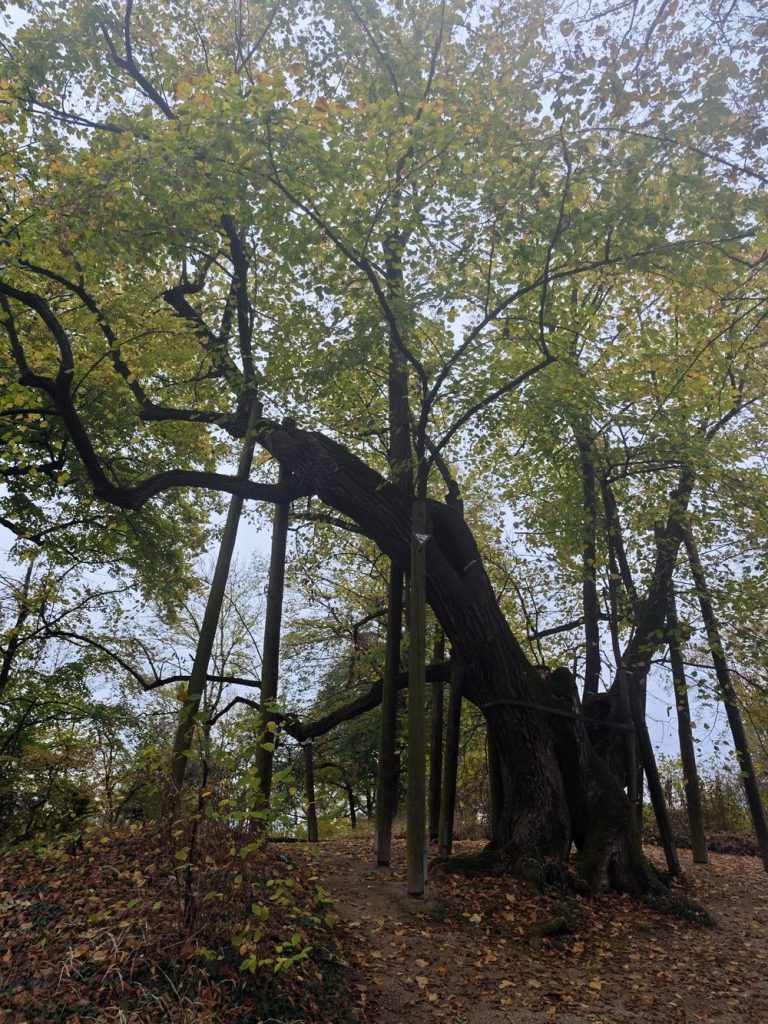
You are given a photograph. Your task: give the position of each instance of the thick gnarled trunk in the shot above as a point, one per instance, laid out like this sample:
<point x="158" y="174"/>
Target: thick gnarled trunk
<point x="555" y="787"/>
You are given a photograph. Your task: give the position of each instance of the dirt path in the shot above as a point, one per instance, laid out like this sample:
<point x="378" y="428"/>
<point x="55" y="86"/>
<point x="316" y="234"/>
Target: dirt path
<point x="467" y="956"/>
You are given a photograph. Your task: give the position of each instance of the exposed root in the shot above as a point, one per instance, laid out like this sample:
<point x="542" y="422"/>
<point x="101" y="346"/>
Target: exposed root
<point x="675" y="905"/>
<point x="648" y="884"/>
<point x="567" y="918"/>
<point x="487" y="862"/>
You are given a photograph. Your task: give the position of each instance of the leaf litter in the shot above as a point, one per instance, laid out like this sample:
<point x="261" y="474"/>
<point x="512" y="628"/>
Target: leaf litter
<point x="476" y="951"/>
<point x="92" y="933"/>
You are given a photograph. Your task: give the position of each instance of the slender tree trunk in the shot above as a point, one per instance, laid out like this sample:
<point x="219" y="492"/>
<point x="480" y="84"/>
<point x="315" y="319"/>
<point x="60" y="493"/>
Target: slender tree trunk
<point x="629" y="760"/>
<point x="207" y="638"/>
<point x="387" y="775"/>
<point x="650" y="620"/>
<point x="270" y="661"/>
<point x="450" y="762"/>
<point x="400" y="468"/>
<point x="616" y="538"/>
<point x="313" y="834"/>
<point x="590" y="602"/>
<point x="639" y="786"/>
<point x="436" y="744"/>
<point x="352" y="804"/>
<point x="620" y="572"/>
<point x="640" y="778"/>
<point x="729" y="698"/>
<point x="655" y="788"/>
<point x="417" y="767"/>
<point x="685" y="733"/>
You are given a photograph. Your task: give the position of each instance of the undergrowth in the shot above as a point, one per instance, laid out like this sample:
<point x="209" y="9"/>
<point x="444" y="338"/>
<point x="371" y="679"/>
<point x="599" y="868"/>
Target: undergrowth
<point x="129" y="926"/>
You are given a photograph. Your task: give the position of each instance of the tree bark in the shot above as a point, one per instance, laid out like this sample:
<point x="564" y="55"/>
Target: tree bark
<point x="15" y="636"/>
<point x="352" y="803"/>
<point x="730" y="699"/>
<point x="685" y="734"/>
<point x="619" y="571"/>
<point x="655" y="788"/>
<point x="616" y="540"/>
<point x="602" y="819"/>
<point x="496" y="788"/>
<point x="399" y="458"/>
<point x="629" y="746"/>
<point x="648" y="636"/>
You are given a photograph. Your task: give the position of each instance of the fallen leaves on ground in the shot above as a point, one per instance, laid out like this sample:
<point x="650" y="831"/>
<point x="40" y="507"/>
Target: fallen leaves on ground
<point x="94" y="931"/>
<point x="477" y="949"/>
<point x="98" y="930"/>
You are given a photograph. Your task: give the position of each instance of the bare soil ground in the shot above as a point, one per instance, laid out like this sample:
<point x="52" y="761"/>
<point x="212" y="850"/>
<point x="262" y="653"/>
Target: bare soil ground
<point x="469" y="954"/>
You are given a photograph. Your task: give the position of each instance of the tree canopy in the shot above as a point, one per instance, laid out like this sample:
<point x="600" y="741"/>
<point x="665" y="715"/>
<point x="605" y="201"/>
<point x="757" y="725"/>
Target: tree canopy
<point x="508" y="254"/>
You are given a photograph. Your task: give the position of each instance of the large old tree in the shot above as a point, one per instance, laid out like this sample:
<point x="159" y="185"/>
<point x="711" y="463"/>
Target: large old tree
<point x="432" y="241"/>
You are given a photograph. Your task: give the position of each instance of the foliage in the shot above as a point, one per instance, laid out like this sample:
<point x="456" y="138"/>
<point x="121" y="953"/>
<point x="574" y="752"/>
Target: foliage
<point x="723" y="804"/>
<point x="589" y="216"/>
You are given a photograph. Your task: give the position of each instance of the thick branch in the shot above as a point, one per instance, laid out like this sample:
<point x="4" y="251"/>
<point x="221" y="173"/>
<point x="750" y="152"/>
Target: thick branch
<point x="367" y="702"/>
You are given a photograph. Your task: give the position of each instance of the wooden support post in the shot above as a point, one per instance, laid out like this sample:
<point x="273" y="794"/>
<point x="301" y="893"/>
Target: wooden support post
<point x="436" y="745"/>
<point x="450" y="761"/>
<point x="270" y="660"/>
<point x="417" y="769"/>
<point x="388" y="775"/>
<point x="197" y="679"/>
<point x="685" y="735"/>
<point x="645" y="748"/>
<point x="313" y="833"/>
<point x="729" y="698"/>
